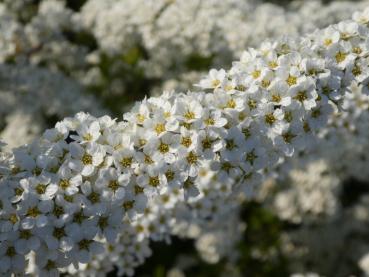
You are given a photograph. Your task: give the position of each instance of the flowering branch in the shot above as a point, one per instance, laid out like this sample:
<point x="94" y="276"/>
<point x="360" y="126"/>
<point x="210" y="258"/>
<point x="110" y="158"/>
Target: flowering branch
<point x="90" y="183"/>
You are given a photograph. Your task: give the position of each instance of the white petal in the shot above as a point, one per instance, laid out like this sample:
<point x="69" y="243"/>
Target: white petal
<point x="21" y="246"/>
<point x="41" y="221"/>
<point x="75" y="165"/>
<point x="66" y="244"/>
<point x="88" y="170"/>
<point x="18" y="262"/>
<point x="52" y="242"/>
<point x="28" y="223"/>
<point x="120" y="193"/>
<point x="83" y="256"/>
<point x="4" y="264"/>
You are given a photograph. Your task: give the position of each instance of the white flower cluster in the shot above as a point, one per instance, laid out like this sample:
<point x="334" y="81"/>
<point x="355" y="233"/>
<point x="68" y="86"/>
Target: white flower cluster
<point x="36" y="58"/>
<point x="101" y="48"/>
<point x="349" y="130"/>
<point x="315" y="196"/>
<point x="320" y="182"/>
<point x="30" y="95"/>
<point x="320" y="246"/>
<point x="160" y="30"/>
<point x="36" y="34"/>
<point x="310" y="194"/>
<point x="183" y="157"/>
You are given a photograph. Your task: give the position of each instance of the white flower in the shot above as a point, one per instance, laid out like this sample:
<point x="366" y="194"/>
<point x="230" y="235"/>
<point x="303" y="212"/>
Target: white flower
<point x="279" y="94"/>
<point x="56" y="237"/>
<point x="347" y="29"/>
<point x="34" y="212"/>
<point x="112" y="183"/>
<point x="330" y="86"/>
<point x="109" y="224"/>
<point x="125" y="160"/>
<point x="213" y="119"/>
<point x="27" y="240"/>
<point x="93" y="200"/>
<point x="305" y="93"/>
<point x="139" y="113"/>
<point x="356" y="71"/>
<point x="290" y="140"/>
<point x="328" y="37"/>
<point x="84" y="248"/>
<point x="152" y="180"/>
<point x="85" y="160"/>
<point x="272" y="120"/>
<point x="42" y="187"/>
<point x="158" y="126"/>
<point x="233" y="146"/>
<point x="211" y="143"/>
<point x="87" y="132"/>
<point x="189" y="161"/>
<point x="318" y="116"/>
<point x="10" y="260"/>
<point x="255" y="156"/>
<point x="174" y="176"/>
<point x="68" y="183"/>
<point x="214" y="79"/>
<point x="162" y="148"/>
<point x="189" y="111"/>
<point x="341" y="55"/>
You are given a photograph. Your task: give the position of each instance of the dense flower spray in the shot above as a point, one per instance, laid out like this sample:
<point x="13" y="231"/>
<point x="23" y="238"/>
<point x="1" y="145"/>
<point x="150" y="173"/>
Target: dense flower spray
<point x="95" y="185"/>
<point x="99" y="49"/>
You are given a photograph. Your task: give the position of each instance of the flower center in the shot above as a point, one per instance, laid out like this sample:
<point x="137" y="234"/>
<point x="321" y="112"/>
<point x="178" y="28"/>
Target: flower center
<point x="250" y="157"/>
<point x="64" y="183"/>
<point x="10" y="252"/>
<point x="186" y="141"/>
<point x="215" y="83"/>
<point x="270" y="118"/>
<point x="87" y="137"/>
<point x="163" y="148"/>
<point x="87" y="159"/>
<point x="103" y="222"/>
<point x="189" y="115"/>
<point x="33" y="212"/>
<point x="328" y="41"/>
<point x="206" y="143"/>
<point x="231" y="104"/>
<point x="192" y="158"/>
<point x="84" y="244"/>
<point x="58" y="211"/>
<point x="154" y="181"/>
<point x="256" y="74"/>
<point x="94" y="197"/>
<point x="113" y="185"/>
<point x="301" y="96"/>
<point x="159" y="128"/>
<point x="140" y="118"/>
<point x="291" y="80"/>
<point x="126" y="161"/>
<point x="276" y="98"/>
<point x="287" y="137"/>
<point x="230" y="144"/>
<point x="170" y="175"/>
<point x="41" y="188"/>
<point x="128" y="205"/>
<point x="59" y="233"/>
<point x="340" y="57"/>
<point x="25" y="234"/>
